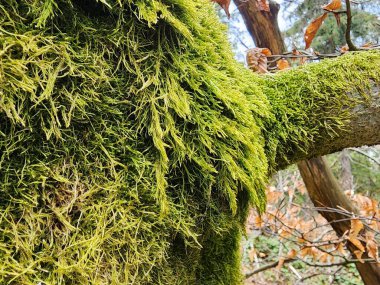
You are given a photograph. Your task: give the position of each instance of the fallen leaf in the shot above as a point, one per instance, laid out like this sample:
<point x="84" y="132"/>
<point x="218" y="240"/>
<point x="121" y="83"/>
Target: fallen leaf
<point x="292" y="254"/>
<point x="323" y="257"/>
<point x="225" y="4"/>
<point x="340" y="248"/>
<point x="333" y="5"/>
<point x="312" y="29"/>
<point x="283" y="64"/>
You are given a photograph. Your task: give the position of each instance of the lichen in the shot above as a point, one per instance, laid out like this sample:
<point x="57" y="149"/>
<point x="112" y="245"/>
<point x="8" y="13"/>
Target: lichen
<point x="131" y="142"/>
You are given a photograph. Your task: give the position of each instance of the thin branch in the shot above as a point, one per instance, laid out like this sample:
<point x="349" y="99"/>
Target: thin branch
<point x="350" y="44"/>
<point x="365" y="154"/>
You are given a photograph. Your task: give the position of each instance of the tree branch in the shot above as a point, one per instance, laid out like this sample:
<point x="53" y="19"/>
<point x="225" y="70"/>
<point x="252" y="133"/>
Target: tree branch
<point x="323" y="108"/>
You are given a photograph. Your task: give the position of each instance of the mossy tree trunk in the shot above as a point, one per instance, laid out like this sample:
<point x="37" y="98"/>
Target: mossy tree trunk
<point x="132" y="143"/>
<point x="322" y="187"/>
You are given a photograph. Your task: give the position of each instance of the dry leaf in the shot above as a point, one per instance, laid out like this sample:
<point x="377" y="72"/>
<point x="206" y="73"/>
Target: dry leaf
<point x="257" y="61"/>
<point x="305" y="251"/>
<point x="292" y="254"/>
<point x="367" y="45"/>
<point x="312" y="29"/>
<point x="358" y="255"/>
<point x="372" y="249"/>
<point x="357" y="243"/>
<point x="340" y="248"/>
<point x="344" y="49"/>
<point x="259" y="222"/>
<point x="283" y="64"/>
<point x="263" y="5"/>
<point x="356" y="227"/>
<point x="225" y="4"/>
<point x="333" y="5"/>
<point x="323" y="257"/>
<point x="266" y="51"/>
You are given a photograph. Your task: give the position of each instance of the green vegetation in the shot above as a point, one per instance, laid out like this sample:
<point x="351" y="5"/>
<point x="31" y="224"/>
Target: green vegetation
<point x="131" y="141"/>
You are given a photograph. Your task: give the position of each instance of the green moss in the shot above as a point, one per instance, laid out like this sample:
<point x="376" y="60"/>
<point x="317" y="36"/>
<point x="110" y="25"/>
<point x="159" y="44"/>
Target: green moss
<point x="131" y="143"/>
<point x="315" y="101"/>
<point x="126" y="141"/>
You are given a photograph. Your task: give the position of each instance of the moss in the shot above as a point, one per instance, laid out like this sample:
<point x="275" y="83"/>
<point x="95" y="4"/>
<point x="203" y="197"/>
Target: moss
<point x="315" y="101"/>
<point x="126" y="141"/>
<point x="131" y="142"/>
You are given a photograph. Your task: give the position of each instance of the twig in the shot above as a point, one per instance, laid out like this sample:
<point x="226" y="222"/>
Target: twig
<point x="365" y="154"/>
<point x="350" y="44"/>
<point x="268" y="266"/>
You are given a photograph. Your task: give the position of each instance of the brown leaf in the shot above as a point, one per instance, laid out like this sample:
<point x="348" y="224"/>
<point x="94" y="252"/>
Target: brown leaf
<point x="266" y="51"/>
<point x="283" y="64"/>
<point x="305" y="251"/>
<point x="323" y="257"/>
<point x="358" y="255"/>
<point x="312" y="29"/>
<point x="225" y="4"/>
<point x="357" y="243"/>
<point x="344" y="49"/>
<point x="257" y="61"/>
<point x="340" y="248"/>
<point x="292" y="254"/>
<point x="372" y="249"/>
<point x="333" y="5"/>
<point x="263" y="5"/>
<point x="259" y="222"/>
<point x="356" y="227"/>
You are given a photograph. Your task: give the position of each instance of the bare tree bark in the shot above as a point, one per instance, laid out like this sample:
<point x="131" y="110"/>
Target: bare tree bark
<point x="258" y="21"/>
<point x="321" y="184"/>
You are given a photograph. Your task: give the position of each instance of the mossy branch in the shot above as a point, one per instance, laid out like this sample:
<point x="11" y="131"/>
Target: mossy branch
<point x="324" y="107"/>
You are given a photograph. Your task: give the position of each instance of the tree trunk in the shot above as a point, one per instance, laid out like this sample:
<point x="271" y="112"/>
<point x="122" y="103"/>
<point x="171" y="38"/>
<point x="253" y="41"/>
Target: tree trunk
<point x="325" y="191"/>
<point x="321" y="184"/>
<point x="346" y="178"/>
<point x="258" y="21"/>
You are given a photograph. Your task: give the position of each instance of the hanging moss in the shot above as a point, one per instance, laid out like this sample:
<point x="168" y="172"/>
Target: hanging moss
<point x="126" y="141"/>
<point x="131" y="143"/>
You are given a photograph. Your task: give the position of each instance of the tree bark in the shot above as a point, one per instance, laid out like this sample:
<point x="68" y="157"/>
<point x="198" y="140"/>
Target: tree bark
<point x="258" y="21"/>
<point x="324" y="191"/>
